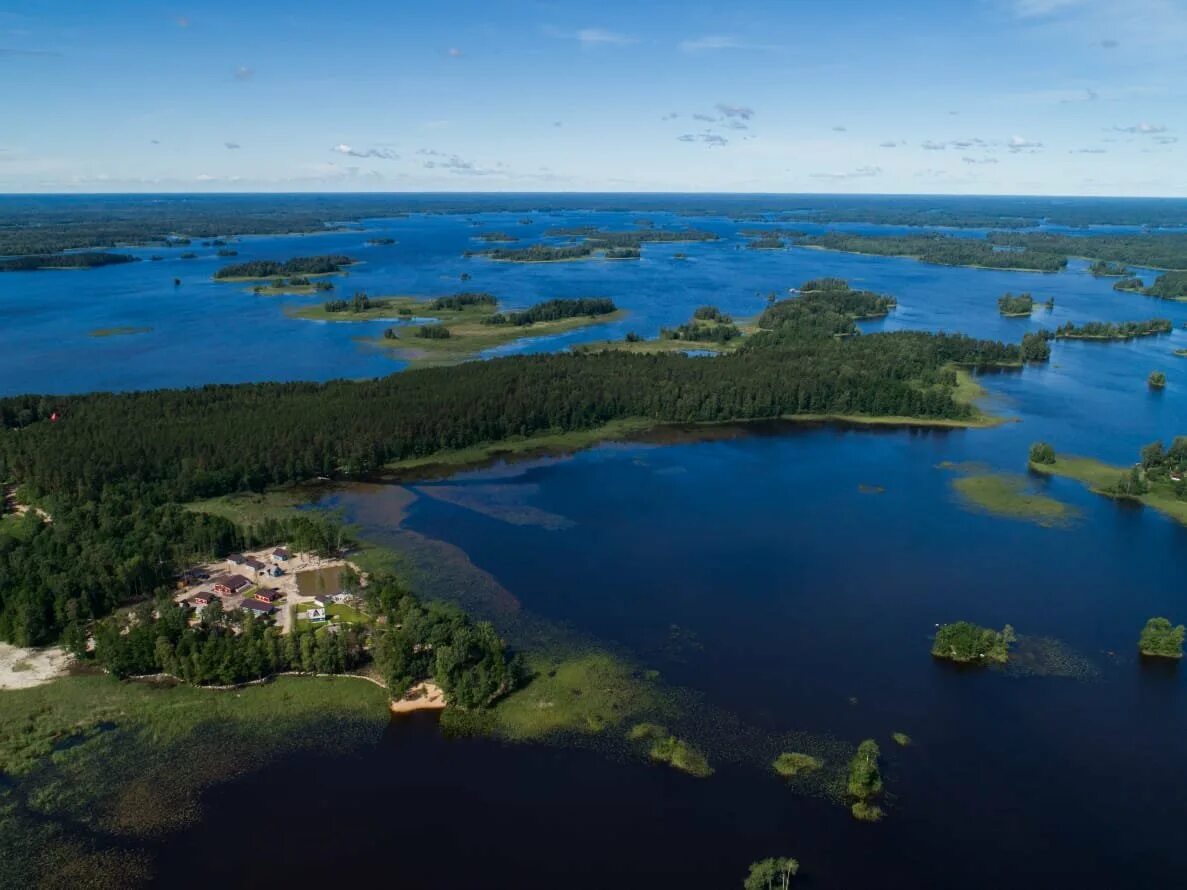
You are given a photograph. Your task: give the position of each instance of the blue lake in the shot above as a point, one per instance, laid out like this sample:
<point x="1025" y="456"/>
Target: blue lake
<point x="790" y="575"/>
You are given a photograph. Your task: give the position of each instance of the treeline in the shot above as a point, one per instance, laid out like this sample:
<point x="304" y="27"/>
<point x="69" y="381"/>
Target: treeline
<point x="709" y="332"/>
<point x="637" y="239"/>
<point x="464" y="300"/>
<point x="113" y="468"/>
<point x="64" y="261"/>
<point x="1160" y="250"/>
<point x="302" y="265"/>
<point x="555" y="310"/>
<point x="1113" y="330"/>
<point x="360" y="302"/>
<point x="1169" y="286"/>
<point x="1107" y="269"/>
<point x="944" y="250"/>
<point x="221" y="649"/>
<point x="538" y="253"/>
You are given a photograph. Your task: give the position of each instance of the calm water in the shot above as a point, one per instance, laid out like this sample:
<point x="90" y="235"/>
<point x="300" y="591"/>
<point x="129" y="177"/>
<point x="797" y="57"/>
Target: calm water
<point x="802" y="599"/>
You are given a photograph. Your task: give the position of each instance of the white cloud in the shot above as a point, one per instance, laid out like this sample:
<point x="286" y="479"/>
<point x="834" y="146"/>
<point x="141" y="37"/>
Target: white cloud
<point x="1142" y="129"/>
<point x="454" y="52"/>
<point x="1021" y="143"/>
<point x="382" y="153"/>
<point x="592" y="36"/>
<point x="713" y="140"/>
<point x="243" y="73"/>
<point x="712" y="42"/>
<point x="1029" y="9"/>
<point x="859" y="173"/>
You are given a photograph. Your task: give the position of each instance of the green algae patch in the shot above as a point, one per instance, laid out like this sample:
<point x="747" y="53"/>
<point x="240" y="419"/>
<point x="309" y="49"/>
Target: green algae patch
<point x="583" y="694"/>
<point x="1010" y="496"/>
<point x="792" y="763"/>
<point x="666" y="748"/>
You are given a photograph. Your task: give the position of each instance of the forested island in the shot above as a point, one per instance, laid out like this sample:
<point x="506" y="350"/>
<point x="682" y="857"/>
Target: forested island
<point x="708" y="325"/>
<point x="595" y="242"/>
<point x="1011" y="306"/>
<point x="380" y="242"/>
<point x="1109" y="269"/>
<point x="965" y="642"/>
<point x="865" y="782"/>
<point x="945" y="250"/>
<point x="268" y="269"/>
<point x="113" y="469"/>
<point x="1113" y="330"/>
<point x="1168" y="286"/>
<point x="1160" y="639"/>
<point x="64" y="261"/>
<point x="539" y="253"/>
<point x="554" y="310"/>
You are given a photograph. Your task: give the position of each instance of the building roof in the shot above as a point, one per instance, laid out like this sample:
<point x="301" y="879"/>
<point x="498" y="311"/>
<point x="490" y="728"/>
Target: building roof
<point x="268" y="594"/>
<point x="236" y="558"/>
<point x="205" y="596"/>
<point x="282" y="552"/>
<point x="231" y="582"/>
<point x="315" y="614"/>
<point x="252" y="562"/>
<point x="253" y="605"/>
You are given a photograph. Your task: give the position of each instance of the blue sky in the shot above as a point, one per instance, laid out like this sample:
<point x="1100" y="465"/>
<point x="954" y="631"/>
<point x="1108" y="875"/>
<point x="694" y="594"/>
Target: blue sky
<point x="963" y="96"/>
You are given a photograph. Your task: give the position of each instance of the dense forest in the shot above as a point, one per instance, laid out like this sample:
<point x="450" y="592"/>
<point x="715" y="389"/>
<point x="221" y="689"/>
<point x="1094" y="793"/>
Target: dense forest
<point x="1113" y="330"/>
<point x="113" y="468"/>
<point x="1169" y="286"/>
<point x="1107" y="269"/>
<point x="302" y="265"/>
<point x="555" y="310"/>
<point x="944" y="250"/>
<point x="360" y="302"/>
<point x="1160" y="250"/>
<point x="64" y="261"/>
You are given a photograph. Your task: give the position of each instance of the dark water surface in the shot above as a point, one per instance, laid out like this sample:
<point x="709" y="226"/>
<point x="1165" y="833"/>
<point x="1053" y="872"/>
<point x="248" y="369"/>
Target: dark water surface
<point x="792" y="576"/>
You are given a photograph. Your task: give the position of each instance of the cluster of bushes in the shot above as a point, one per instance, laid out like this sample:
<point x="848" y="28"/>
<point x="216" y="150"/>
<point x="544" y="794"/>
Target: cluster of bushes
<point x="360" y="302"/>
<point x="464" y="300"/>
<point x="963" y="641"/>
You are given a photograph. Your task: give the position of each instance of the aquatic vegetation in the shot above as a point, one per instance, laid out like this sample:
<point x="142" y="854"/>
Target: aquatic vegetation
<point x="1009" y="496"/>
<point x="666" y="748"/>
<point x="867" y="812"/>
<point x="120" y="331"/>
<point x="584" y="693"/>
<point x="965" y="642"/>
<point x="1159" y="639"/>
<point x="1034" y="656"/>
<point x="791" y="763"/>
<point x="901" y="739"/>
<point x="89" y="759"/>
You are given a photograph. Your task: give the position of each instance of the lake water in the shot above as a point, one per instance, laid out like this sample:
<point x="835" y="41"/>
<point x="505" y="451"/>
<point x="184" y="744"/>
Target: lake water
<point x="790" y="575"/>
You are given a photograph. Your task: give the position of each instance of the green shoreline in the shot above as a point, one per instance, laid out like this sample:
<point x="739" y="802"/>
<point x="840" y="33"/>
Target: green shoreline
<point x="1097" y="475"/>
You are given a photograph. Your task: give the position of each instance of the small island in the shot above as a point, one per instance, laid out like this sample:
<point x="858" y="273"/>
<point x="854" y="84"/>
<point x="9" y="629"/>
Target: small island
<point x="379" y="242"/>
<point x="865" y="782"/>
<point x="666" y="748"/>
<point x="453" y="328"/>
<point x="497" y="238"/>
<point x="85" y="260"/>
<point x="1156" y="380"/>
<point x="790" y="764"/>
<point x="1011" y="306"/>
<point x="967" y="643"/>
<point x="1109" y="269"/>
<point x="767" y="242"/>
<point x="1159" y="639"/>
<point x="708" y="325"/>
<point x="1113" y="330"/>
<point x="1130" y="285"/>
<point x="594" y="243"/>
<point x="266" y="270"/>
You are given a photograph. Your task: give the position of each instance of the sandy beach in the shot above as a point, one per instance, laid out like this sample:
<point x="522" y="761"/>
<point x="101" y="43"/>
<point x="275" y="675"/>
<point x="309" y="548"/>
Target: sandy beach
<point x="426" y="696"/>
<point x="23" y="668"/>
